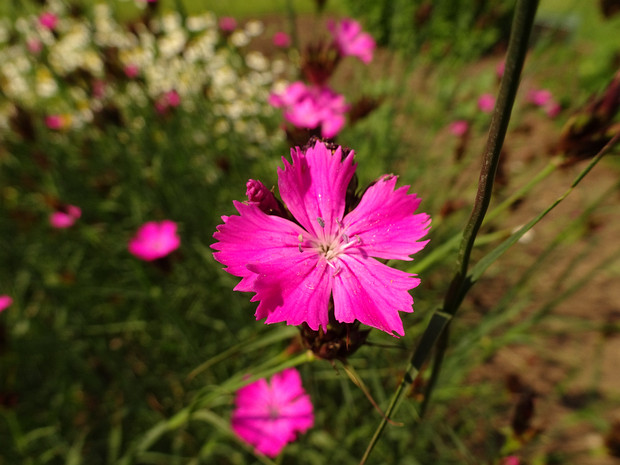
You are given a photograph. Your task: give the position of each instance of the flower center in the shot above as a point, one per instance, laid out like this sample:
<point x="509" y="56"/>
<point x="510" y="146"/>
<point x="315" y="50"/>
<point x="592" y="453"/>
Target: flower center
<point x="332" y="246"/>
<point x="273" y="411"/>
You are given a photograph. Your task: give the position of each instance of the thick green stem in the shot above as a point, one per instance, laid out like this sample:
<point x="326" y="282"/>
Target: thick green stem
<point x="517" y="49"/>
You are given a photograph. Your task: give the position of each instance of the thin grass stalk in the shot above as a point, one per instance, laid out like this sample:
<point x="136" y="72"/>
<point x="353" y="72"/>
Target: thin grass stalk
<point x="525" y="11"/>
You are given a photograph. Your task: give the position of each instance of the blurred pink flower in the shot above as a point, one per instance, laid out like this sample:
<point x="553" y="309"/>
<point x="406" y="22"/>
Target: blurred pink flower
<point x="323" y="253"/>
<point x="227" y="24"/>
<point x="173" y="98"/>
<point x="34" y="46"/>
<point x="539" y="97"/>
<point x="269" y="414"/>
<point x="281" y="39"/>
<point x="486" y="102"/>
<point x="311" y="106"/>
<point x="48" y="20"/>
<point x="55" y="121"/>
<point x="544" y="98"/>
<point x="511" y="460"/>
<point x="131" y="71"/>
<point x="170" y="99"/>
<point x="459" y="127"/>
<point x="351" y="41"/>
<point x="5" y="302"/>
<point x="65" y="217"/>
<point x="155" y="240"/>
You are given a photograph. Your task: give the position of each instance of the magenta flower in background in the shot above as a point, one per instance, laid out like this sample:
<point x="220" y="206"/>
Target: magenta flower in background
<point x="131" y="71"/>
<point x="310" y="107"/>
<point x="539" y="97"/>
<point x="351" y="41"/>
<point x="544" y="98"/>
<point x="48" y="20"/>
<point x="281" y="39"/>
<point x="5" y="302"/>
<point x="227" y="24"/>
<point x="486" y="102"/>
<point x="296" y="267"/>
<point x="268" y="415"/>
<point x="65" y="217"/>
<point x="173" y="98"/>
<point x="55" y="122"/>
<point x="459" y="128"/>
<point x="170" y="99"/>
<point x="511" y="460"/>
<point x="155" y="240"/>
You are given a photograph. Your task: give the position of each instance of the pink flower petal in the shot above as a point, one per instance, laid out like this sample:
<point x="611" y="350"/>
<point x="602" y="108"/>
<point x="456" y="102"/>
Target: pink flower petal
<point x="227" y="24"/>
<point x="5" y="302"/>
<point x="48" y="20"/>
<point x="281" y="39"/>
<point x="385" y="221"/>
<point x="155" y="240"/>
<point x="65" y="217"/>
<point x="373" y="293"/>
<point x="254" y="237"/>
<point x="351" y="41"/>
<point x="459" y="127"/>
<point x="295" y="289"/>
<point x="313" y="187"/>
<point x="486" y="102"/>
<point x="269" y="415"/>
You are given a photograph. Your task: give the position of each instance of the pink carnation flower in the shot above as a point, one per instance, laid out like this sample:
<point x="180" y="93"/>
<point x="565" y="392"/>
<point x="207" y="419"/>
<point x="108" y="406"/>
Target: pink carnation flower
<point x="459" y="128"/>
<point x="486" y="102"/>
<point x="65" y="217"/>
<point x="227" y="24"/>
<point x="511" y="460"/>
<point x="155" y="240"/>
<point x="351" y="41"/>
<point x="5" y="302"/>
<point x="539" y="97"/>
<point x="268" y="415"/>
<point x="48" y="20"/>
<point x="544" y="98"/>
<point x="131" y="71"/>
<point x="170" y="99"/>
<point x="281" y="39"/>
<point x="55" y="122"/>
<point x="310" y="107"/>
<point x="322" y="253"/>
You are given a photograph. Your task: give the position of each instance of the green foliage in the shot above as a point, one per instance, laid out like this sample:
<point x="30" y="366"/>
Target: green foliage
<point x="460" y="29"/>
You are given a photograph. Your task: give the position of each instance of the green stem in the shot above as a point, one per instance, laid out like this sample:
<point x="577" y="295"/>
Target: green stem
<point x="517" y="49"/>
<point x="525" y="12"/>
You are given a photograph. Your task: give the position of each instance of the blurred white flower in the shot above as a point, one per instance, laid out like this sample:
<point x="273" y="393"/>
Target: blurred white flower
<point x="239" y="39"/>
<point x="254" y="28"/>
<point x="256" y="61"/>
